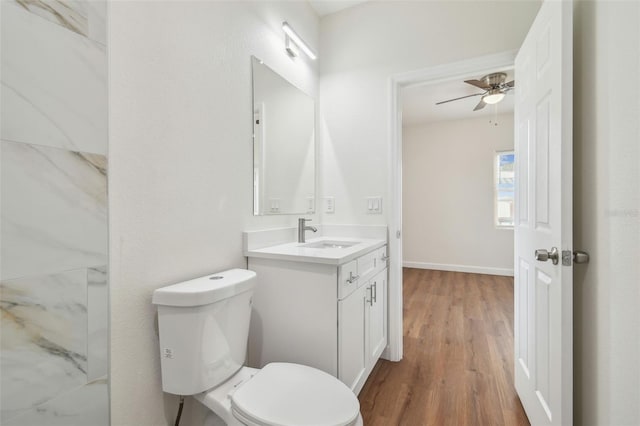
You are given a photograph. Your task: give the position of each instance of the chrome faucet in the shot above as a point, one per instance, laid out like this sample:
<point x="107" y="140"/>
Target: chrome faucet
<point x="302" y="228"/>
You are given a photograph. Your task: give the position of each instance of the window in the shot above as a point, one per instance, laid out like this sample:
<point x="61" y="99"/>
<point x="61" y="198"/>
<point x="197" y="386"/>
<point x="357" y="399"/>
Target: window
<point x="504" y="189"/>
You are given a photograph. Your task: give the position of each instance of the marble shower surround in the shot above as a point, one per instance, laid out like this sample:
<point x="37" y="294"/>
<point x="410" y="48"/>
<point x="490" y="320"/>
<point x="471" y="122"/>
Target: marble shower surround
<point x="53" y="212"/>
<point x="83" y="406"/>
<point x="54" y="340"/>
<point x="44" y="329"/>
<point x="97" y="322"/>
<point x="87" y="18"/>
<point x="54" y="84"/>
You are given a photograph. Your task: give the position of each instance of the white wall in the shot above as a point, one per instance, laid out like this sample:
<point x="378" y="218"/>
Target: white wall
<point x="360" y="48"/>
<point x="180" y="179"/>
<point x="607" y="212"/>
<point x="448" y="196"/>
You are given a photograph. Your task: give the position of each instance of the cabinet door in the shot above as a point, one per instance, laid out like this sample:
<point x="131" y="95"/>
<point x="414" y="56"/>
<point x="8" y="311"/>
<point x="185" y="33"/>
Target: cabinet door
<point x="351" y="337"/>
<point x="377" y="323"/>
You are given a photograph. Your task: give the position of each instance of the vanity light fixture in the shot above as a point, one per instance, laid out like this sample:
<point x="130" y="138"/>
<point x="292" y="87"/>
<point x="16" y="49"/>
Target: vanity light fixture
<point x="293" y="40"/>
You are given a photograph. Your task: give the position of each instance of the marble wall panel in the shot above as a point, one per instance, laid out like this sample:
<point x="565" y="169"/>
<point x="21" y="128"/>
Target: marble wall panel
<point x="87" y="18"/>
<point x="43" y="351"/>
<point x="54" y="210"/>
<point x="98" y="317"/>
<point x="53" y="215"/>
<point x="54" y="86"/>
<point x="84" y="406"/>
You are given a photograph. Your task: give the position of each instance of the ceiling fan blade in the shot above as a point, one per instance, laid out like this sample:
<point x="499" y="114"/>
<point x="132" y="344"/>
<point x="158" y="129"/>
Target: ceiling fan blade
<point x="456" y="99"/>
<point x="512" y="83"/>
<point x="478" y="83"/>
<point x="480" y="105"/>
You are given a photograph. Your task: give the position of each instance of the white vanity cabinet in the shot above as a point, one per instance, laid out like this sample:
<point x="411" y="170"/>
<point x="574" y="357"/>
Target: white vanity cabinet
<point x="332" y="317"/>
<point x="362" y="333"/>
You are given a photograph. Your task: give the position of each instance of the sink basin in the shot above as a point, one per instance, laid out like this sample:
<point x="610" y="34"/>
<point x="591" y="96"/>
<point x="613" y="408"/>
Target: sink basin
<point x="330" y="244"/>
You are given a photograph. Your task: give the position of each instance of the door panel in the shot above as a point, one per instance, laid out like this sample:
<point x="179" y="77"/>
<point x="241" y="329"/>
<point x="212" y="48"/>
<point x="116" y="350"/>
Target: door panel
<point x="542" y="165"/>
<point x="522" y="170"/>
<point x="543" y="355"/>
<point x="543" y="149"/>
<point x="522" y="350"/>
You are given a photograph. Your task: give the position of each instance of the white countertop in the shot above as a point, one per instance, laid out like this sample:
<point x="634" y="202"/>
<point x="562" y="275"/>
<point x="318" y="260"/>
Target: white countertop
<point x="297" y="252"/>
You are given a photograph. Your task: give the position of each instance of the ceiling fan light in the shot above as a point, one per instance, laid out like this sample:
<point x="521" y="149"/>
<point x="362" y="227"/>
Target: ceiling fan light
<point x="493" y="97"/>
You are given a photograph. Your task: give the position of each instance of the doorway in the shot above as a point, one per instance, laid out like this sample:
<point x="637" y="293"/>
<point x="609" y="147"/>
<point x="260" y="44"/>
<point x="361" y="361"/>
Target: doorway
<point x="455" y="71"/>
<point x="458" y="176"/>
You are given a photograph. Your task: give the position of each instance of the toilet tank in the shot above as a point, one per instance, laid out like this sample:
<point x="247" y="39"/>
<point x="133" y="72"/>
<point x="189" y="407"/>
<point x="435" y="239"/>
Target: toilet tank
<point x="203" y="327"/>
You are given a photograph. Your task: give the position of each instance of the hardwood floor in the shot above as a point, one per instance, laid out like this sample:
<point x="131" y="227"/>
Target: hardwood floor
<point x="458" y="355"/>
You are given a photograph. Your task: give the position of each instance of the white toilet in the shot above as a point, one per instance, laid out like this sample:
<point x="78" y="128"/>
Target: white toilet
<point x="204" y="325"/>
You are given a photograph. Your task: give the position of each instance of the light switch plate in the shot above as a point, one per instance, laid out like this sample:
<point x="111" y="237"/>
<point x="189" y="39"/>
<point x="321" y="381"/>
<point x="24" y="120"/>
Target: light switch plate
<point x="329" y="204"/>
<point x="311" y="205"/>
<point x="373" y="205"/>
<point x="274" y="205"/>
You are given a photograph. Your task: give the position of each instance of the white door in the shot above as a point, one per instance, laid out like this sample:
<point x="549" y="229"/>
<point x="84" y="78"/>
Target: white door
<point x="543" y="147"/>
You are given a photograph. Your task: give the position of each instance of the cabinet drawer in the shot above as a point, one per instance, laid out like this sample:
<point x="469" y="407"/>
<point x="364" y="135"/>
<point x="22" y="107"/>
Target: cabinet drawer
<point x="347" y="279"/>
<point x="381" y="259"/>
<point x="367" y="265"/>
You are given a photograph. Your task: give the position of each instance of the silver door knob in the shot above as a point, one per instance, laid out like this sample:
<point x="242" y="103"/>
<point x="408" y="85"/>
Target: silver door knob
<point x="580" y="257"/>
<point x="542" y="255"/>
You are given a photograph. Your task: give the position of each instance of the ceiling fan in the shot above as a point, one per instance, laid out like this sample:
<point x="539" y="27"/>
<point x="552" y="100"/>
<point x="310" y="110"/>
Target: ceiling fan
<point x="494" y="87"/>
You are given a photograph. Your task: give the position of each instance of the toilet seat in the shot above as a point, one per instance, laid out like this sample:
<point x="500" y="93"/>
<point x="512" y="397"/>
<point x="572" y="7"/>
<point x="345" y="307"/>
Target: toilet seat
<point x="284" y="394"/>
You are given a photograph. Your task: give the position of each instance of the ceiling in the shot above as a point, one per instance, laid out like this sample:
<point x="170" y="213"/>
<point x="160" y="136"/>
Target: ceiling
<point x="326" y="7"/>
<point x="419" y="102"/>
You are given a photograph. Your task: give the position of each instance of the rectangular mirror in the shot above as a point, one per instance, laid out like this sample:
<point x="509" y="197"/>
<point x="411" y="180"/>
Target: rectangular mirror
<point x="283" y="145"/>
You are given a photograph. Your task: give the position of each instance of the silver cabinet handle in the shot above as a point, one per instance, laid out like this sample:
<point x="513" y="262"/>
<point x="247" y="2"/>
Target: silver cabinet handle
<point x="352" y="278"/>
<point x="543" y="255"/>
<point x="370" y="288"/>
<point x="375" y="293"/>
<point x="384" y="258"/>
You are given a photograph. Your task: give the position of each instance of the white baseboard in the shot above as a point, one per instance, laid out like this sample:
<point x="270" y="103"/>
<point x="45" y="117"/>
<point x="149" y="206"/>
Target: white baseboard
<point x="459" y="268"/>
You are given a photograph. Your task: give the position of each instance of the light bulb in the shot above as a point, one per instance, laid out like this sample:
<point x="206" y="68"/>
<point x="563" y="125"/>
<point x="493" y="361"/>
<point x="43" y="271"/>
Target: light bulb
<point x="493" y="97"/>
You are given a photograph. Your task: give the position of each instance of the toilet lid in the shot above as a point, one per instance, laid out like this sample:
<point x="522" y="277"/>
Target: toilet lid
<point x="283" y="394"/>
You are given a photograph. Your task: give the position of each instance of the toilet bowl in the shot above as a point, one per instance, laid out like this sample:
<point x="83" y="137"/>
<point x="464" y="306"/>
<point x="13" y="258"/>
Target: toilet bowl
<point x="203" y="328"/>
<point x="283" y="394"/>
